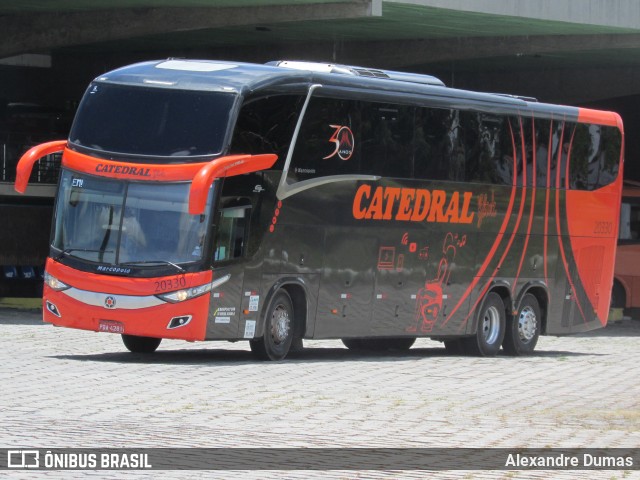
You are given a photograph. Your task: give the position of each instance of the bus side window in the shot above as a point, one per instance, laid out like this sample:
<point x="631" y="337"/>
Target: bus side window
<point x="634" y="221"/>
<point x="432" y="144"/>
<point x="386" y="139"/>
<point x="232" y="229"/>
<point x="330" y="140"/>
<point x="629" y="221"/>
<point x="583" y="150"/>
<point x="265" y="125"/>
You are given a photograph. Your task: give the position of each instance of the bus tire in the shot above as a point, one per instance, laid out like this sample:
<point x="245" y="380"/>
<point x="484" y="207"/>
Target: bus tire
<point x="378" y="344"/>
<point x="490" y="329"/>
<point x="136" y="344"/>
<point x="278" y="329"/>
<point x="522" y="331"/>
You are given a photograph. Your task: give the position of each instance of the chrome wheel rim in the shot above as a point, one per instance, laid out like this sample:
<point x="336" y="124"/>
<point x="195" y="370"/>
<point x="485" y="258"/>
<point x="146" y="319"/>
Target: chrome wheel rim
<point x="491" y="325"/>
<point x="527" y="324"/>
<point x="280" y="324"/>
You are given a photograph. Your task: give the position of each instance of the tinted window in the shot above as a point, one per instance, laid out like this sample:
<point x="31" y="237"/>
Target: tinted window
<point x="350" y="137"/>
<point x="594" y="156"/>
<point x="266" y="125"/>
<point x="558" y="146"/>
<point x="543" y="143"/>
<point x="489" y="147"/>
<point x="386" y="138"/>
<point x="463" y="146"/>
<point x="329" y="141"/>
<point x="580" y="152"/>
<point x="152" y="121"/>
<point x="340" y="137"/>
<point x="630" y="220"/>
<point x="436" y="132"/>
<point x="231" y="232"/>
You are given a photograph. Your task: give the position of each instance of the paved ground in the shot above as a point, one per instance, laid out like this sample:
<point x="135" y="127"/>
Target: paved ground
<point x="66" y="388"/>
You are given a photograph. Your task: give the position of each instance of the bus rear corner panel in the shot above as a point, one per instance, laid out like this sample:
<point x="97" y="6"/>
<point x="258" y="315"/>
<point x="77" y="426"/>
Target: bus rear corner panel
<point x="581" y="300"/>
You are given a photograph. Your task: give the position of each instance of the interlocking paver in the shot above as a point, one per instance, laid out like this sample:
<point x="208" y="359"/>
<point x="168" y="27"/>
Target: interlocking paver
<point x="67" y="388"/>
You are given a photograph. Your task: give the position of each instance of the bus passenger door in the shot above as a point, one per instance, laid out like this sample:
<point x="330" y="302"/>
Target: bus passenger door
<point x="225" y="309"/>
<point x="233" y="256"/>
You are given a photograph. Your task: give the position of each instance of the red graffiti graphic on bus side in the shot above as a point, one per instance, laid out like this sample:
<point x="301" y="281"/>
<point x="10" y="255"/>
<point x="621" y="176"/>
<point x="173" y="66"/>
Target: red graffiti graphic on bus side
<point x="429" y="299"/>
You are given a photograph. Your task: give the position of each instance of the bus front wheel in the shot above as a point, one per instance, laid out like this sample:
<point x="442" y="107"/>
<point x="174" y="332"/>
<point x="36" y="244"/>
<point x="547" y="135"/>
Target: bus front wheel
<point x="138" y="344"/>
<point x="278" y="330"/>
<point x="491" y="326"/>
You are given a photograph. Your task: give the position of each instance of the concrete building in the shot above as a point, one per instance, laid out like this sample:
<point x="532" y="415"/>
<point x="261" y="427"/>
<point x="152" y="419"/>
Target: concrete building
<point x="582" y="52"/>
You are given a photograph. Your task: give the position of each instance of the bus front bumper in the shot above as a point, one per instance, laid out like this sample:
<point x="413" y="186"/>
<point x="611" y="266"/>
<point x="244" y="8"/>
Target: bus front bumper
<point x="116" y="308"/>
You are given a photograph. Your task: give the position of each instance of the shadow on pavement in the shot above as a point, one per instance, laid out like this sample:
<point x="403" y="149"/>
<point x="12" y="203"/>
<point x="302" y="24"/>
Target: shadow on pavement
<point x="622" y="328"/>
<point x="10" y="316"/>
<point x="307" y="355"/>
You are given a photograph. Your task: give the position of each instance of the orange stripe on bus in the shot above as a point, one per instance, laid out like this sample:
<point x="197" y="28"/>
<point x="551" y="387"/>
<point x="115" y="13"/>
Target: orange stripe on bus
<point x="598" y="117"/>
<point x="496" y="242"/>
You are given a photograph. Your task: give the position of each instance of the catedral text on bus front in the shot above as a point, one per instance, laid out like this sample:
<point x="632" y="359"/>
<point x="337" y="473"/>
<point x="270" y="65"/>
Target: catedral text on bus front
<point x="204" y="200"/>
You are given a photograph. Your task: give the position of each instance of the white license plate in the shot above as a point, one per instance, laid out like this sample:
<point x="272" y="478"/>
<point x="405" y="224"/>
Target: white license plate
<point x="110" y="326"/>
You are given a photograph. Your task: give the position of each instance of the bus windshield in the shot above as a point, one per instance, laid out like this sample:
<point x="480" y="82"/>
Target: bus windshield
<point x="115" y="222"/>
<point x="143" y="121"/>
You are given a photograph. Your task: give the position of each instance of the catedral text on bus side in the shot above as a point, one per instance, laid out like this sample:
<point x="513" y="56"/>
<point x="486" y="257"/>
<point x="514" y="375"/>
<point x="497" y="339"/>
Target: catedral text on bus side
<point x="410" y="204"/>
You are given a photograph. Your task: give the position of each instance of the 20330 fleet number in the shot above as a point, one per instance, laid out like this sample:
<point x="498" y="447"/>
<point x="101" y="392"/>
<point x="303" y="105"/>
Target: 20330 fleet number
<point x="170" y="284"/>
<point x="603" y="228"/>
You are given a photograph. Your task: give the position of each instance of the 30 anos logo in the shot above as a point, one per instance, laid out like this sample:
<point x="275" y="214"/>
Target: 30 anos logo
<point x="343" y="139"/>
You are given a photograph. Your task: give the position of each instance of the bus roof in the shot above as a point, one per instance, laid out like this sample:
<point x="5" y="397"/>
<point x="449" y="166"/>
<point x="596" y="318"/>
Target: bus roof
<point x="362" y="83"/>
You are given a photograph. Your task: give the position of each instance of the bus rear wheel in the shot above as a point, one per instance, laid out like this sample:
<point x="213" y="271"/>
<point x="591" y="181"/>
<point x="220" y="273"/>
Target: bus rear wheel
<point x="378" y="344"/>
<point x="136" y="344"/>
<point x="491" y="326"/>
<point x="278" y="329"/>
<point x="522" y="332"/>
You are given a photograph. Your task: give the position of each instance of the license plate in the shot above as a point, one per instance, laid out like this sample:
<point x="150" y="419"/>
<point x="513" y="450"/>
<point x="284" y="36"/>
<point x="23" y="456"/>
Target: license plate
<point x="110" y="326"/>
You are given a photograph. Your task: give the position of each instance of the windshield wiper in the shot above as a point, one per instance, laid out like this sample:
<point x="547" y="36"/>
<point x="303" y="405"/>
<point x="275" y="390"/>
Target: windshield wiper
<point x="67" y="251"/>
<point x="161" y="262"/>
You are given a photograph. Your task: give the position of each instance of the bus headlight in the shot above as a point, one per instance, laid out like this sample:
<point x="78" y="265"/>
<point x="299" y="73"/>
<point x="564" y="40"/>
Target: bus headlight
<point x="185" y="294"/>
<point x="53" y="283"/>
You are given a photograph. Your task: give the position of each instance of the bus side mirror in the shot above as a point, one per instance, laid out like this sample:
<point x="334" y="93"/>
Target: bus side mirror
<point x="26" y="162"/>
<point x="224" y="167"/>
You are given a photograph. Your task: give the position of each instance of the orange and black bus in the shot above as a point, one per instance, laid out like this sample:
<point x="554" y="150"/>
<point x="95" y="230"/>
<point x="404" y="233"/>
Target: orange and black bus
<point x="204" y="200"/>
